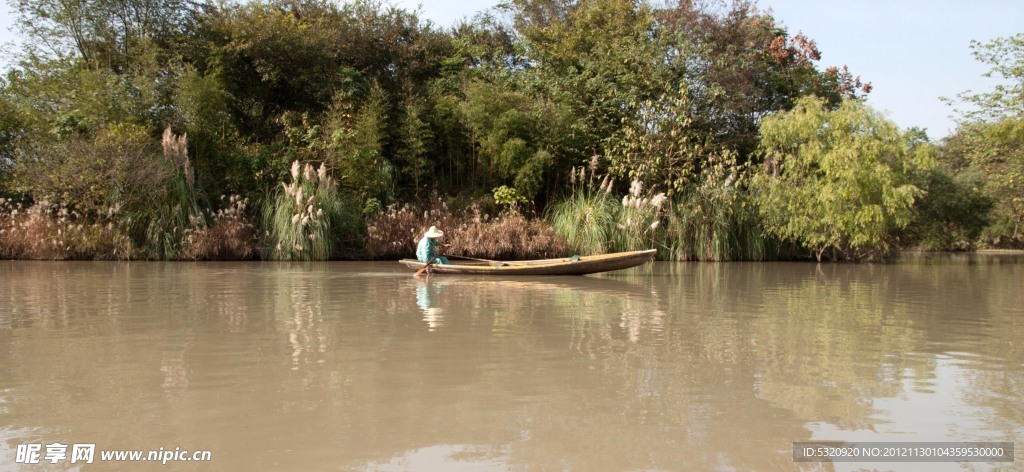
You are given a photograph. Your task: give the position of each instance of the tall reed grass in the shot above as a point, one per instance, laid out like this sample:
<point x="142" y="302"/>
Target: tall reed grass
<point x="307" y="218"/>
<point x="712" y="221"/>
<point x="586" y="219"/>
<point x="593" y="221"/>
<point x="716" y="223"/>
<point x="159" y="225"/>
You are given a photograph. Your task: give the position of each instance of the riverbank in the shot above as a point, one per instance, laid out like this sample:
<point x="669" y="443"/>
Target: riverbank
<point x="45" y="231"/>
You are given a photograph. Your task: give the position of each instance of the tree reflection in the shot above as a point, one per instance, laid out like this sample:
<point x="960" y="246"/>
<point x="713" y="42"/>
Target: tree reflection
<point x="681" y="366"/>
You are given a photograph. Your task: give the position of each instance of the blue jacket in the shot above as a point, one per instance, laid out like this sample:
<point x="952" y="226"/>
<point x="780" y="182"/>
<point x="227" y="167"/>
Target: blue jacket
<point x="425" y="250"/>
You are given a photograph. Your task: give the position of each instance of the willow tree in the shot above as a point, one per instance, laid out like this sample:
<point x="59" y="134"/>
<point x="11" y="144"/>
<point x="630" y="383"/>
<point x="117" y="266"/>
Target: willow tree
<point x="835" y="182"/>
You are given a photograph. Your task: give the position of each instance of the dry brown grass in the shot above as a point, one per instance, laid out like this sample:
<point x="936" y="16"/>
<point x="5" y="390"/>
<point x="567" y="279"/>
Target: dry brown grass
<point x="45" y="231"/>
<point x="55" y="232"/>
<point x="231" y="236"/>
<point x="394" y="233"/>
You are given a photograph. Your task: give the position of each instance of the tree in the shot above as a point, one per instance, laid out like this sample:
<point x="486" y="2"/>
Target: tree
<point x="662" y="145"/>
<point x="509" y="130"/>
<point x="1005" y="56"/>
<point x="990" y="138"/>
<point x="107" y="34"/>
<point x="995" y="150"/>
<point x="594" y="57"/>
<point x="836" y="182"/>
<point x="740" y="65"/>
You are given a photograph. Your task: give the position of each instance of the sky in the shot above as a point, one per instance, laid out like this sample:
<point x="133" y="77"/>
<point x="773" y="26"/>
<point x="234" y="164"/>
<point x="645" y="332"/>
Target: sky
<point x="912" y="51"/>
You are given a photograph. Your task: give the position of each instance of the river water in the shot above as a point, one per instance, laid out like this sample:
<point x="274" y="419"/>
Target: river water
<point x="360" y="366"/>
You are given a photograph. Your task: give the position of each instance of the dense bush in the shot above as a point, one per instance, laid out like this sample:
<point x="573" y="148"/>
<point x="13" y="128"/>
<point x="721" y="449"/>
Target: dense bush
<point x="951" y="214"/>
<point x="55" y="232"/>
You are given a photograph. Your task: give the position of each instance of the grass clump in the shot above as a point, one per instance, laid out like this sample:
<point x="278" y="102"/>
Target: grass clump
<point x="593" y="221"/>
<point x="159" y="224"/>
<point x="586" y="219"/>
<point x="307" y="219"/>
<point x="713" y="221"/>
<point x="716" y="221"/>
<point x="229" y="236"/>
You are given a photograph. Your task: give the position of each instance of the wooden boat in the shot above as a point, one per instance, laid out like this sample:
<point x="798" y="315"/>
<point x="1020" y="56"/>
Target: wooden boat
<point x="580" y="265"/>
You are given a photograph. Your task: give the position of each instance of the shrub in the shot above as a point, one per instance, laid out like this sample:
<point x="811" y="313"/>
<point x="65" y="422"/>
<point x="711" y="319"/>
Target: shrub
<point x="121" y="164"/>
<point x="394" y="232"/>
<point x="509" y="236"/>
<point x="952" y="213"/>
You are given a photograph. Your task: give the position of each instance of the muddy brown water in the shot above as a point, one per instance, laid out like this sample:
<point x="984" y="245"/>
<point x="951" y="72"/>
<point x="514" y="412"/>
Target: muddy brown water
<point x="360" y="366"/>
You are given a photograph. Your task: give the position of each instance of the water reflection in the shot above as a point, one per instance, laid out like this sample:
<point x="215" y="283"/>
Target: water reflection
<point x="363" y="367"/>
<point x="446" y="457"/>
<point x="425" y="292"/>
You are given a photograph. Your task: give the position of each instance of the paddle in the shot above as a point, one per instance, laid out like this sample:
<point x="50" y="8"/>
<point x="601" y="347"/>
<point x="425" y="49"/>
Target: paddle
<point x="425" y="267"/>
<point x="456" y="256"/>
<point x="491" y="262"/>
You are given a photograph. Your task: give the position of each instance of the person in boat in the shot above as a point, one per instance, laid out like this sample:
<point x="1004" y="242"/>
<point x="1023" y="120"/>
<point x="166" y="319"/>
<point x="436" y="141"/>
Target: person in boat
<point x="427" y="248"/>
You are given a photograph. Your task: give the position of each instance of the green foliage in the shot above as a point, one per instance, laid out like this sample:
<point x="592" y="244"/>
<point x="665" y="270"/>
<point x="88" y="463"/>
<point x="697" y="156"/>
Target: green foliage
<point x="103" y="34"/>
<point x="506" y="195"/>
<point x="354" y="147"/>
<point x="120" y="166"/>
<point x="952" y="213"/>
<point x="1005" y="56"/>
<point x="413" y="143"/>
<point x="593" y="57"/>
<point x="509" y="130"/>
<point x="995" y="150"/>
<point x="662" y="146"/>
<point x="837" y="181"/>
<point x="990" y="141"/>
<point x="716" y="220"/>
<point x="586" y="218"/>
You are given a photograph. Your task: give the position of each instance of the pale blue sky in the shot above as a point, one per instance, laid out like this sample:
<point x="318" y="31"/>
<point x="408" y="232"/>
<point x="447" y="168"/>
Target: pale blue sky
<point x="912" y="51"/>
